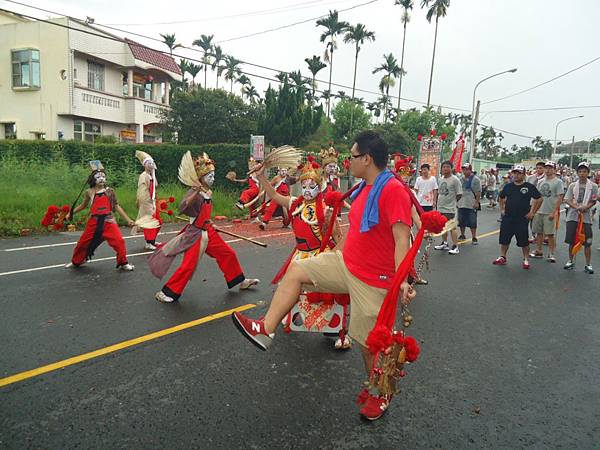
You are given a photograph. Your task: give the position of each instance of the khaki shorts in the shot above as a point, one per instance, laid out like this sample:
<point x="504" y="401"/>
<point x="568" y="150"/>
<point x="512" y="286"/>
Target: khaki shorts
<point x="328" y="273"/>
<point x="542" y="224"/>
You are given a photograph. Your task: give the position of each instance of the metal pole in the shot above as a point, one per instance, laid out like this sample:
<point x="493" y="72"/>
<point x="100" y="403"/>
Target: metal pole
<point x="556" y="131"/>
<point x="474" y="132"/>
<point x="572" y="149"/>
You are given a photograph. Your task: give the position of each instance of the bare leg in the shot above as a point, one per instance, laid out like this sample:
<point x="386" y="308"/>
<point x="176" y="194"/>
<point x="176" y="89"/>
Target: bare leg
<point x="571" y="255"/>
<point x="454" y="235"/>
<point x="285" y="296"/>
<point x="474" y="233"/>
<point x="539" y="243"/>
<point x="526" y="252"/>
<point x="368" y="359"/>
<point x="462" y="231"/>
<point x="551" y="244"/>
<point x="588" y="255"/>
<point x="503" y="250"/>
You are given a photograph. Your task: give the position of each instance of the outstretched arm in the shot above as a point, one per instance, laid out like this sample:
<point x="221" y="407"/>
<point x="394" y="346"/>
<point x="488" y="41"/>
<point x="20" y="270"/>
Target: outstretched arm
<point x="281" y="200"/>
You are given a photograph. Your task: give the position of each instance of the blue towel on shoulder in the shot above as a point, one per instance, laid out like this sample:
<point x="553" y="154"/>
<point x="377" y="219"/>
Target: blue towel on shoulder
<point x="370" y="216"/>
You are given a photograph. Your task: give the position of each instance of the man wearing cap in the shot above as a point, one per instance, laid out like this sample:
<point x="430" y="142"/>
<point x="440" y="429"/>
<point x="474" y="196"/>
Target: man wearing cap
<point x="449" y="192"/>
<point x="517" y="210"/>
<point x="581" y="197"/>
<point x="469" y="203"/>
<point x="546" y="219"/>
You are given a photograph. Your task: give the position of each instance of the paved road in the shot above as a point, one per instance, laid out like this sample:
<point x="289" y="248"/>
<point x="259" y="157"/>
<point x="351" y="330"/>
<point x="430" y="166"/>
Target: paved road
<point x="510" y="359"/>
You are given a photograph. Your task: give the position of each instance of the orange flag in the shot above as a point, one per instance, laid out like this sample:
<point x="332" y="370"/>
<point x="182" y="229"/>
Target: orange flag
<point x="579" y="236"/>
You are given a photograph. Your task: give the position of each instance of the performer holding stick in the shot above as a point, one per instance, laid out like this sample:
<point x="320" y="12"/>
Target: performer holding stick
<point x="148" y="213"/>
<point x="196" y="238"/>
<point x="101" y="226"/>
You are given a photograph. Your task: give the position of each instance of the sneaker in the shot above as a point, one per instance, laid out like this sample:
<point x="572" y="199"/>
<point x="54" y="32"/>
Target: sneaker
<point x="253" y="330"/>
<point x="149" y="246"/>
<point x="442" y="246"/>
<point x="551" y="258"/>
<point x="525" y="264"/>
<point x="531" y="240"/>
<point x="239" y="205"/>
<point x="569" y="265"/>
<point x="343" y="345"/>
<point x="536" y="255"/>
<point x="374" y="407"/>
<point x="163" y="298"/>
<point x="262" y="225"/>
<point x="248" y="283"/>
<point x="499" y="261"/>
<point x="588" y="269"/>
<point x="454" y="250"/>
<point x="475" y="241"/>
<point x="421" y="281"/>
<point x="462" y="237"/>
<point x="126" y="267"/>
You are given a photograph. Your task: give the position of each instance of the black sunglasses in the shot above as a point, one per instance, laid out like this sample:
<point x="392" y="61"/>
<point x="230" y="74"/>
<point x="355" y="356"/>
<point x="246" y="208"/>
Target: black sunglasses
<point x="357" y="156"/>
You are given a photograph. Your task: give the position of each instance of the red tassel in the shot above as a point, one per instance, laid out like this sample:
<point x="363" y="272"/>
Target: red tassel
<point x="433" y="221"/>
<point x="332" y="198"/>
<point x="171" y="199"/>
<point x="379" y="338"/>
<point x="412" y="348"/>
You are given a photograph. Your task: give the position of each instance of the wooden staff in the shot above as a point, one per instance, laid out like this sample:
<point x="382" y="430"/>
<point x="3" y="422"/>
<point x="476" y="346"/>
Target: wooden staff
<point x="220" y="230"/>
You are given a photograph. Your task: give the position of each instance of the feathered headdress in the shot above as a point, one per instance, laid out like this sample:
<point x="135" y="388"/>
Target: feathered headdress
<point x="191" y="170"/>
<point x="402" y="165"/>
<point x="284" y="156"/>
<point x="310" y="170"/>
<point x="203" y="165"/>
<point x="96" y="166"/>
<point x="143" y="157"/>
<point x="329" y="155"/>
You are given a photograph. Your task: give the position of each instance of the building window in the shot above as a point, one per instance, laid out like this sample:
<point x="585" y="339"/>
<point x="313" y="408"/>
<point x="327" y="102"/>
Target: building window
<point x="10" y="130"/>
<point x="95" y="76"/>
<point x="86" y="131"/>
<point x="142" y="90"/>
<point x="26" y="68"/>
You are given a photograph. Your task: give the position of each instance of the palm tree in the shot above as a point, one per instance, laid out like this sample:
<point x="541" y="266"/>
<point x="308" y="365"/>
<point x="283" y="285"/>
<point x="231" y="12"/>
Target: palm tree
<point x="392" y="69"/>
<point x="205" y="42"/>
<point x="170" y="41"/>
<point x="314" y="66"/>
<point x="244" y="81"/>
<point x="333" y="27"/>
<point x="184" y="66"/>
<point x="232" y="70"/>
<point x="193" y="70"/>
<point x="438" y="8"/>
<point x="251" y="93"/>
<point x="218" y="57"/>
<point x="407" y="5"/>
<point x="357" y="34"/>
<point x="282" y="77"/>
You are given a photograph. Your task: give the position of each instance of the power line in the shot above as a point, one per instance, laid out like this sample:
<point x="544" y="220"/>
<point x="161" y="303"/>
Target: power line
<point x="545" y="82"/>
<point x="278" y="10"/>
<point x="365" y="91"/>
<point x="556" y="108"/>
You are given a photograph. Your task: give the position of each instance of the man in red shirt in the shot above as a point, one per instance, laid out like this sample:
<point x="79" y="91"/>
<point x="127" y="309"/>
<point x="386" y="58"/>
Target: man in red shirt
<point x="380" y="218"/>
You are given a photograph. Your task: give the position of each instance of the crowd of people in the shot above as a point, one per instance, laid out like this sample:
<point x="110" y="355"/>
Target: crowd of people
<point x="530" y="202"/>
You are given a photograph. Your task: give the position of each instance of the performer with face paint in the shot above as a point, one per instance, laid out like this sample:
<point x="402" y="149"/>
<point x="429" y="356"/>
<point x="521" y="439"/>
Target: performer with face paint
<point x="249" y="194"/>
<point x="321" y="312"/>
<point x="146" y="198"/>
<point x="329" y="160"/>
<point x="281" y="185"/>
<point x="195" y="239"/>
<point x="101" y="226"/>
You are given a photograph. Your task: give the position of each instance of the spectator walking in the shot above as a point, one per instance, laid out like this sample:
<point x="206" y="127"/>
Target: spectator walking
<point x="449" y="192"/>
<point x="426" y="188"/>
<point x="469" y="203"/>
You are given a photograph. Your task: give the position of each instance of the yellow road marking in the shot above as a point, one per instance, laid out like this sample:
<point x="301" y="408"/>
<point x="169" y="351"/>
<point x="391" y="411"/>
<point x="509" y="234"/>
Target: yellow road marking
<point x="116" y="347"/>
<point x="491" y="233"/>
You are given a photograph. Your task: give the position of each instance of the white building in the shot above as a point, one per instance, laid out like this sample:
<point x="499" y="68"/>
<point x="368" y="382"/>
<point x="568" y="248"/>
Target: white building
<point x="70" y="80"/>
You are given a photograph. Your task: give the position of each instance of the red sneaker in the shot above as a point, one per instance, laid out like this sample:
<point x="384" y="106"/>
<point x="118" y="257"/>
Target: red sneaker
<point x="525" y="264"/>
<point x="253" y="330"/>
<point x="500" y="261"/>
<point x="374" y="407"/>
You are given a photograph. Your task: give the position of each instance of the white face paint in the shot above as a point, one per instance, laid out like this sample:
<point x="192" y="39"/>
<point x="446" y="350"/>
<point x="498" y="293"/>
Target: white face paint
<point x="149" y="165"/>
<point x="209" y="178"/>
<point x="331" y="168"/>
<point x="310" y="189"/>
<point x="283" y="172"/>
<point x="100" y="178"/>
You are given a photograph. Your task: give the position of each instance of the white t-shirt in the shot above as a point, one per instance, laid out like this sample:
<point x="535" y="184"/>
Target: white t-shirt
<point x="425" y="190"/>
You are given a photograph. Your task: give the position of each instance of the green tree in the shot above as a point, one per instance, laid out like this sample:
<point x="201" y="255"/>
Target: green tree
<point x="416" y="123"/>
<point x="407" y="5"/>
<point x="193" y="70"/>
<point x="250" y="93"/>
<point x="396" y="138"/>
<point x="437" y="8"/>
<point x="206" y="116"/>
<point x="170" y="41"/>
<point x="333" y="27"/>
<point x="315" y="65"/>
<point x="205" y="42"/>
<point x="392" y="70"/>
<point x="348" y="118"/>
<point x="184" y="65"/>
<point x="218" y="57"/>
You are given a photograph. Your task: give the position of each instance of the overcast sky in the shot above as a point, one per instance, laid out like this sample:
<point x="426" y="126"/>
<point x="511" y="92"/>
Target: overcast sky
<point x="542" y="38"/>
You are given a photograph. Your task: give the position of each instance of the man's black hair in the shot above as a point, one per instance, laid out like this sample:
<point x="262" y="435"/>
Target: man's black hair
<point x="372" y="144"/>
<point x="448" y="163"/>
<point x="425" y="165"/>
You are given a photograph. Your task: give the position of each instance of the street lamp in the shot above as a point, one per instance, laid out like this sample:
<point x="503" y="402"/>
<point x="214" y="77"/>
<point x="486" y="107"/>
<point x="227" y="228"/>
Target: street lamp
<point x="474" y="127"/>
<point x="556" y="132"/>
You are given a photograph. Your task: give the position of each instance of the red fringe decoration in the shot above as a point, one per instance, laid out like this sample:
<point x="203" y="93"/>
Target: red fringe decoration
<point x="412" y="348"/>
<point x="433" y="221"/>
<point x="379" y="338"/>
<point x="332" y="198"/>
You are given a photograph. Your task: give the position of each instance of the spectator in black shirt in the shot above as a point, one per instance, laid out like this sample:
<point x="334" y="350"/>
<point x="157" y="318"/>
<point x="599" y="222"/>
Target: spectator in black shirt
<point x="517" y="210"/>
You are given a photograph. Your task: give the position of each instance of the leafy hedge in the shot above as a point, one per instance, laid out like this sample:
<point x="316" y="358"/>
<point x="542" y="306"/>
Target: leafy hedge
<point x="121" y="157"/>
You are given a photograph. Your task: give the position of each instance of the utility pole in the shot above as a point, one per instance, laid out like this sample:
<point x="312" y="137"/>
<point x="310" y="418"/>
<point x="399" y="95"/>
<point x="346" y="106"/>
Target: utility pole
<point x="474" y="132"/>
<point x="572" y="149"/>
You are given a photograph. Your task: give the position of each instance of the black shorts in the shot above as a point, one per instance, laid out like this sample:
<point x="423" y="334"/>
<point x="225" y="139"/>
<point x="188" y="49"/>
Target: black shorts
<point x="427" y="208"/>
<point x="517" y="227"/>
<point x="467" y="217"/>
<point x="448" y="216"/>
<point x="570" y="237"/>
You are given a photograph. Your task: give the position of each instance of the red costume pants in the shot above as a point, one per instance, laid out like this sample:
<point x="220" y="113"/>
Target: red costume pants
<point x="110" y="234"/>
<point x="249" y="194"/>
<point x="218" y="249"/>
<point x="270" y="210"/>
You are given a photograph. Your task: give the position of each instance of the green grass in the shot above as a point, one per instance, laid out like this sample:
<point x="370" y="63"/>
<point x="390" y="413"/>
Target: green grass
<point x="27" y="188"/>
